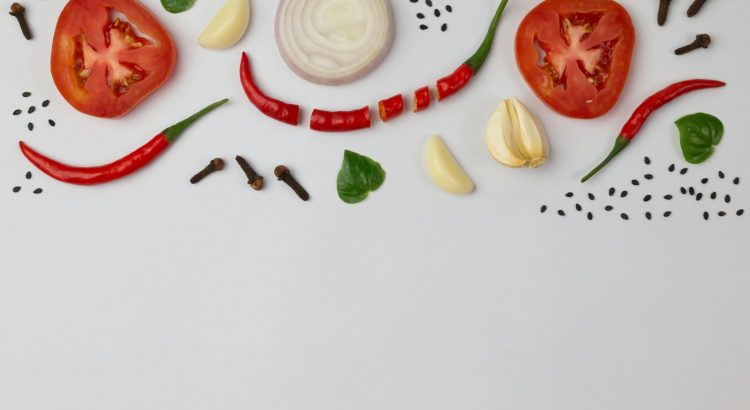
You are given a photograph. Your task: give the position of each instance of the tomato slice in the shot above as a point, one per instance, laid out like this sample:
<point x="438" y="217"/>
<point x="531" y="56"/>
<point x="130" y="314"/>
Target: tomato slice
<point x="576" y="54"/>
<point x="109" y="55"/>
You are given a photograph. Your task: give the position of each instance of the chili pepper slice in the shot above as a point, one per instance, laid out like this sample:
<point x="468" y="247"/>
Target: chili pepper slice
<point x="276" y="109"/>
<point x="453" y="83"/>
<point x="391" y="107"/>
<point x="422" y="98"/>
<point x="340" y="121"/>
<point x="120" y="168"/>
<point x="641" y="114"/>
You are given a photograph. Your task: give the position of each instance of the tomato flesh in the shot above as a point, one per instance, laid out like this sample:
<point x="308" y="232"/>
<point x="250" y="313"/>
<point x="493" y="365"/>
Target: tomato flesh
<point x="109" y="55"/>
<point x="576" y="54"/>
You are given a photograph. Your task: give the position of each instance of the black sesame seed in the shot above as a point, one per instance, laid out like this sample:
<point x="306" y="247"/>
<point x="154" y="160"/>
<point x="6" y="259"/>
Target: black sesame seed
<point x="420" y="15"/>
<point x="612" y="191"/>
<point x="648" y="177"/>
<point x="705" y="216"/>
<point x="31" y="109"/>
<point x="649" y="216"/>
<point x="444" y="27"/>
<point x="30" y="126"/>
<point x="16" y="189"/>
<point x="671" y="168"/>
<point x="704" y="181"/>
<point x="713" y="195"/>
<point x="26" y="94"/>
<point x="635" y="182"/>
<point x="17" y="112"/>
<point x="683" y="190"/>
<point x="38" y="191"/>
<point x="45" y="103"/>
<point x="590" y="216"/>
<point x="625" y="216"/>
<point x="592" y="197"/>
<point x="544" y="208"/>
<point x="667" y="214"/>
<point x="609" y="208"/>
<point x="579" y="208"/>
<point x="691" y="191"/>
<point x="683" y="171"/>
<point x="647" y="160"/>
<point x="623" y="194"/>
<point x="569" y="195"/>
<point x="647" y="198"/>
<point x="449" y="8"/>
<point x="51" y="123"/>
<point x="668" y="197"/>
<point x="428" y="3"/>
<point x="561" y="212"/>
<point x="28" y="175"/>
<point x="437" y="12"/>
<point x="727" y="199"/>
<point x="722" y="214"/>
<point x="736" y="181"/>
<point x="741" y="212"/>
<point x="699" y="196"/>
<point x="721" y="174"/>
<point x="423" y="27"/>
<point x="413" y="1"/>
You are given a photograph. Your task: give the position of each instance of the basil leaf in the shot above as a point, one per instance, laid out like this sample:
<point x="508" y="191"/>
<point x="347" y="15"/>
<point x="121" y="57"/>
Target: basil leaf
<point x="699" y="134"/>
<point x="358" y="177"/>
<point x="177" y="6"/>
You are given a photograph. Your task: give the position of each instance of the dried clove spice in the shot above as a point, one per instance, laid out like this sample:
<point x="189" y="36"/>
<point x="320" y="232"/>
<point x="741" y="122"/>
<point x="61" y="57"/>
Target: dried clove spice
<point x="253" y="179"/>
<point x="663" y="11"/>
<point x="217" y="164"/>
<point x="19" y="12"/>
<point x="701" y="41"/>
<point x="695" y="8"/>
<point x="283" y="174"/>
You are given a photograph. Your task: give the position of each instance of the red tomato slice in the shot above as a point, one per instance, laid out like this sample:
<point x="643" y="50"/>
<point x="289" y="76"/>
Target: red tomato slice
<point x="576" y="54"/>
<point x="109" y="55"/>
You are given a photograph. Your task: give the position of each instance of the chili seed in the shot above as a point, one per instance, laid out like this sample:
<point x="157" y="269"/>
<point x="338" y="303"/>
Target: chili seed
<point x="713" y="195"/>
<point x="609" y="208"/>
<point x="683" y="190"/>
<point x="17" y="112"/>
<point x="569" y="195"/>
<point x="544" y="208"/>
<point x="592" y="197"/>
<point x="16" y="189"/>
<point x="38" y="191"/>
<point x="647" y="160"/>
<point x="704" y="181"/>
<point x="736" y="181"/>
<point x="721" y="174"/>
<point x="612" y="191"/>
<point x="30" y="126"/>
<point x="699" y="197"/>
<point x="51" y="123"/>
<point x="668" y="197"/>
<point x="649" y="216"/>
<point x="740" y="212"/>
<point x="590" y="216"/>
<point x="623" y="194"/>
<point x="45" y="103"/>
<point x="705" y="216"/>
<point x="28" y="175"/>
<point x="647" y="198"/>
<point x="579" y="208"/>
<point x="722" y="214"/>
<point x="671" y="168"/>
<point x="561" y="212"/>
<point x="625" y="217"/>
<point x="31" y="109"/>
<point x="26" y="94"/>
<point x="635" y="182"/>
<point x="727" y="199"/>
<point x="648" y="177"/>
<point x="667" y="214"/>
<point x="444" y="27"/>
<point x="683" y="171"/>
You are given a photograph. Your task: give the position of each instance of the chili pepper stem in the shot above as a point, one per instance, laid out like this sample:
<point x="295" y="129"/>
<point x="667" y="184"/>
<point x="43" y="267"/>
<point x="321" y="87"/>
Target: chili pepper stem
<point x="477" y="60"/>
<point x="620" y="145"/>
<point x="174" y="132"/>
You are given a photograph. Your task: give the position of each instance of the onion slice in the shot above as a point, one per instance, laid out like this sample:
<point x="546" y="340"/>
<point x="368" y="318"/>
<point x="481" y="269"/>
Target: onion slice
<point x="334" y="41"/>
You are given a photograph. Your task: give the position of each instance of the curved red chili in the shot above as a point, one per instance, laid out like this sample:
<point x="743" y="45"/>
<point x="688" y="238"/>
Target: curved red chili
<point x="120" y="168"/>
<point x="340" y="121"/>
<point x="422" y="99"/>
<point x="641" y="114"/>
<point x="453" y="83"/>
<point x="391" y="107"/>
<point x="276" y="109"/>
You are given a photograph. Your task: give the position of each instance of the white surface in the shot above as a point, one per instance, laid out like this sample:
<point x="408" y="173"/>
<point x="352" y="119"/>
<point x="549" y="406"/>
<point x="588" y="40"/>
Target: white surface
<point x="150" y="293"/>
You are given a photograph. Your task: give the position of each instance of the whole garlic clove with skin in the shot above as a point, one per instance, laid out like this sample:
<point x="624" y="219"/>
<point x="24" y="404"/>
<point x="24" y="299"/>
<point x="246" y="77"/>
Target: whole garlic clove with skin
<point x="515" y="137"/>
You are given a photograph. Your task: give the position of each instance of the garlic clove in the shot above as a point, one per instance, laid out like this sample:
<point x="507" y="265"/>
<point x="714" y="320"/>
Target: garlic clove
<point x="228" y="25"/>
<point x="500" y="137"/>
<point x="444" y="170"/>
<point x="531" y="135"/>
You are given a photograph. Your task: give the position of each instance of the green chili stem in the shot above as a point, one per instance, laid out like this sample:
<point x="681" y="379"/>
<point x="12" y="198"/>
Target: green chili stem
<point x="477" y="60"/>
<point x="620" y="145"/>
<point x="173" y="132"/>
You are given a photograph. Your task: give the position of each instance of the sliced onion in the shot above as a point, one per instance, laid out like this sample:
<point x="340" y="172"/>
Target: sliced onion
<point x="334" y="41"/>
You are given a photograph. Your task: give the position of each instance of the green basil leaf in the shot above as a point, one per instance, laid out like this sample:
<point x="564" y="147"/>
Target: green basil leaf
<point x="177" y="6"/>
<point x="358" y="177"/>
<point x="699" y="134"/>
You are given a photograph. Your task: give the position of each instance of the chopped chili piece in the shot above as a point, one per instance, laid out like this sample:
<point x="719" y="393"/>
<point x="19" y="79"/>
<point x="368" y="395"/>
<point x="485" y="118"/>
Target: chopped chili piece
<point x="391" y="107"/>
<point x="422" y="98"/>
<point x="340" y="121"/>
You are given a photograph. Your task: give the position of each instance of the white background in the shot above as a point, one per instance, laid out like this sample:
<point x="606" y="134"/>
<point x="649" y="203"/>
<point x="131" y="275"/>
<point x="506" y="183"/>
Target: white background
<point x="150" y="293"/>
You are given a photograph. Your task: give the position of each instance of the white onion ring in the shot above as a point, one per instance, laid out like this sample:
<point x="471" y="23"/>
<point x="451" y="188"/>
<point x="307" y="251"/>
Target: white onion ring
<point x="334" y="41"/>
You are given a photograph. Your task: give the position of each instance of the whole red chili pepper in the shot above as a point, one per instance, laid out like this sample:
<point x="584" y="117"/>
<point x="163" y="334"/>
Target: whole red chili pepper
<point x="278" y="110"/>
<point x="641" y="114"/>
<point x="422" y="99"/>
<point x="391" y="107"/>
<point x="453" y="83"/>
<point x="120" y="168"/>
<point x="340" y="121"/>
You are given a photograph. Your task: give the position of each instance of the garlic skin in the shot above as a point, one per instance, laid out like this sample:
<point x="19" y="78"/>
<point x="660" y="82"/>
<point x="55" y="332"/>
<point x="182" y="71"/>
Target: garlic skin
<point x="228" y="25"/>
<point x="515" y="137"/>
<point x="444" y="169"/>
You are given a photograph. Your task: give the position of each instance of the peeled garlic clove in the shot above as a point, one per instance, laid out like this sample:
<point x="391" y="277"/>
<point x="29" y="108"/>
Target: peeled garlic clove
<point x="444" y="170"/>
<point x="228" y="26"/>
<point x="531" y="136"/>
<point x="500" y="138"/>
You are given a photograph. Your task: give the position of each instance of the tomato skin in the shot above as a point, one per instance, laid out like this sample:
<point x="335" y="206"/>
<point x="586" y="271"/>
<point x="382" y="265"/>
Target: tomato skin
<point x="588" y="92"/>
<point x="85" y="29"/>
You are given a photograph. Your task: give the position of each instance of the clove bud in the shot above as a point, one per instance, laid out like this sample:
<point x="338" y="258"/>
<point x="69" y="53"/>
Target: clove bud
<point x="19" y="12"/>
<point x="216" y="164"/>
<point x="663" y="11"/>
<point x="253" y="179"/>
<point x="701" y="41"/>
<point x="695" y="8"/>
<point x="283" y="174"/>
